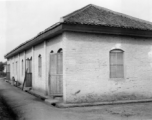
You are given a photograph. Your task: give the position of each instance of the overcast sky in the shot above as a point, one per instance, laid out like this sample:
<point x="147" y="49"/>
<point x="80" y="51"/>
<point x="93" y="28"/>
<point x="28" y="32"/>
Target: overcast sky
<point x="21" y="20"/>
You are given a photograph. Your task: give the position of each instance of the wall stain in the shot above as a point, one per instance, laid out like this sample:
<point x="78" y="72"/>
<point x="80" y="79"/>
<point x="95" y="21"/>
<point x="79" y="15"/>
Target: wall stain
<point x="77" y="92"/>
<point x="91" y="98"/>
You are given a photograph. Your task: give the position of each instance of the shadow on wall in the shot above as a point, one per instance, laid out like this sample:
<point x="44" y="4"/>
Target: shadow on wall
<point x="109" y="98"/>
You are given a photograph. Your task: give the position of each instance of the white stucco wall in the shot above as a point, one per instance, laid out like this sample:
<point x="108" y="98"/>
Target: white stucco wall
<point x="14" y="70"/>
<point x="87" y="68"/>
<point x="38" y="83"/>
<point x="54" y="44"/>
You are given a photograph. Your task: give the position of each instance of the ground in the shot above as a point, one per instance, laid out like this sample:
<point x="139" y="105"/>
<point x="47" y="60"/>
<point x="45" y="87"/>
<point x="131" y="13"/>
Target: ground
<point x="29" y="107"/>
<point x="136" y="111"/>
<point x="5" y="112"/>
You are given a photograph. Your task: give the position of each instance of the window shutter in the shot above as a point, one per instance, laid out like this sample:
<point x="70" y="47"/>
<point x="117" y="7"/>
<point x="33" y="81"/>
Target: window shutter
<point x="22" y="67"/>
<point x="30" y="66"/>
<point x="53" y="65"/>
<point x="120" y="65"/>
<point x="40" y="66"/>
<point x="59" y="63"/>
<point x="116" y="64"/>
<point x="113" y="66"/>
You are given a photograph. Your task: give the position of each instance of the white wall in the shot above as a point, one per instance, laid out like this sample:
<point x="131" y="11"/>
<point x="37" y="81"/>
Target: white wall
<point x="54" y="45"/>
<point x="87" y="68"/>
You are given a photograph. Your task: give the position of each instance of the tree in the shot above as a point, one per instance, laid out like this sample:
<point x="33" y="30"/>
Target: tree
<point x="1" y="66"/>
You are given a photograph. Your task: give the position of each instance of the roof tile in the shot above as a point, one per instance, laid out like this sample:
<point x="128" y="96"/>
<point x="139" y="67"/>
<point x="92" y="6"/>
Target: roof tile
<point x="95" y="15"/>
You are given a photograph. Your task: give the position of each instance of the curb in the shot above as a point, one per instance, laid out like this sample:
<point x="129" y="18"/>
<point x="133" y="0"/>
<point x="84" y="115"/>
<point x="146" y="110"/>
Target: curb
<point x="66" y="105"/>
<point x="32" y="92"/>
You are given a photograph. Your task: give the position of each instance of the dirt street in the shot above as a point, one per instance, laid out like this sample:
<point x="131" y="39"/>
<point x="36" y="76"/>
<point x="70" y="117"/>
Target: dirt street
<point x="138" y="111"/>
<point x="28" y="107"/>
<point x="5" y="112"/>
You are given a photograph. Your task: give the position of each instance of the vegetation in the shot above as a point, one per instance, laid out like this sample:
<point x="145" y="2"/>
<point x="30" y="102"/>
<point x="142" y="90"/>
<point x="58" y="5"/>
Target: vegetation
<point x="1" y="66"/>
<point x="2" y="73"/>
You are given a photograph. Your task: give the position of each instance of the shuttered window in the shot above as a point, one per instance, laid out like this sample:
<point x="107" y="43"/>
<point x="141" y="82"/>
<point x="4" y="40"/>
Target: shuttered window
<point x="39" y="65"/>
<point x="116" y="64"/>
<point x="13" y="68"/>
<point x="59" y="63"/>
<point x="30" y="65"/>
<point x="53" y="59"/>
<point x="8" y="68"/>
<point x="16" y="68"/>
<point x="22" y="67"/>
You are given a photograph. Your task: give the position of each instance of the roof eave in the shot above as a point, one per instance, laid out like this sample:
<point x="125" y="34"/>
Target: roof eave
<point x="37" y="40"/>
<point x="79" y="28"/>
<point x="107" y="30"/>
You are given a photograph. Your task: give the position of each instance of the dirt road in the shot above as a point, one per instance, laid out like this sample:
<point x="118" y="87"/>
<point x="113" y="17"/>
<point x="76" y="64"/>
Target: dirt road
<point x="138" y="111"/>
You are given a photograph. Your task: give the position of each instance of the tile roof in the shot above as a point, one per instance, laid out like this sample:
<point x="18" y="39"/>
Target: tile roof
<point x="95" y="15"/>
<point x="90" y="15"/>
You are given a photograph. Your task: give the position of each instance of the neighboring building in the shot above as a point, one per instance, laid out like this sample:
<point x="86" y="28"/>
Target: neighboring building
<point x="5" y="66"/>
<point x="91" y="55"/>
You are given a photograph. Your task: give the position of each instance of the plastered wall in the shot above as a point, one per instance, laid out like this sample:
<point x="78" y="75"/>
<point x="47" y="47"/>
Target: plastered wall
<point x="38" y="83"/>
<point x="87" y="68"/>
<point x="54" y="45"/>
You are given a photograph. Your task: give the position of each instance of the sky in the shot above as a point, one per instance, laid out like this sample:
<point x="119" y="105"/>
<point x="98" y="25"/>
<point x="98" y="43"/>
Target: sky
<point x="21" y="20"/>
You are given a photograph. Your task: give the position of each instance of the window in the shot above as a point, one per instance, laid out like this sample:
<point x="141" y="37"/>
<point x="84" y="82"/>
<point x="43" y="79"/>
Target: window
<point x="22" y="67"/>
<point x="30" y="65"/>
<point x="8" y="68"/>
<point x="13" y="68"/>
<point x="116" y="64"/>
<point x="16" y="67"/>
<point x="59" y="62"/>
<point x="39" y="65"/>
<point x="27" y="64"/>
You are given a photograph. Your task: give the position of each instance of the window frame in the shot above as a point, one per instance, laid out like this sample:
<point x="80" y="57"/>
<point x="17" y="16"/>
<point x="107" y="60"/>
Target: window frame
<point x="123" y="66"/>
<point x="40" y="66"/>
<point x="22" y="67"/>
<point x="16" y="67"/>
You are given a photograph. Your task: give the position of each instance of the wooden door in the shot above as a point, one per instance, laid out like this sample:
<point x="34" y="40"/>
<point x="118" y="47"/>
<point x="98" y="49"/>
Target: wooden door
<point x="56" y="74"/>
<point x="29" y="73"/>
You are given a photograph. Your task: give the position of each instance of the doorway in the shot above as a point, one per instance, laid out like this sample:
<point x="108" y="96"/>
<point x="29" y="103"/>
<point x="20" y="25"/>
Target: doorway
<point x="29" y="72"/>
<point x="56" y="74"/>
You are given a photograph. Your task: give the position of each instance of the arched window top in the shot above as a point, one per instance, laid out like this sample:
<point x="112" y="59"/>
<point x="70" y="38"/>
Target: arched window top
<point x="116" y="50"/>
<point x="51" y="51"/>
<point x="60" y="50"/>
<point x="116" y="63"/>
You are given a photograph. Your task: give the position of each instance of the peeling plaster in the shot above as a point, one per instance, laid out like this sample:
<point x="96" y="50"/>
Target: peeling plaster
<point x="117" y="46"/>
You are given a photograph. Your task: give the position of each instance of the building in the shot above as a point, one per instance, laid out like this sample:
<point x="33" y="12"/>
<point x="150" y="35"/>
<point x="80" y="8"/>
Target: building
<point x="5" y="64"/>
<point x="91" y="55"/>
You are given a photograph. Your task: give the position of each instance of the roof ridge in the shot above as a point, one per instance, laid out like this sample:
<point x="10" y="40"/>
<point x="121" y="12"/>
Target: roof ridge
<point x="122" y="14"/>
<point x="75" y="12"/>
<point x="64" y="18"/>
